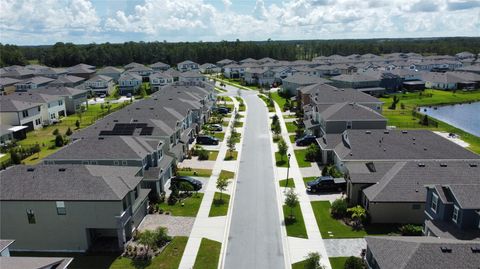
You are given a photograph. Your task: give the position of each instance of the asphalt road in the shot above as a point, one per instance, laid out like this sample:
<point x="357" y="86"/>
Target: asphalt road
<point x="254" y="239"/>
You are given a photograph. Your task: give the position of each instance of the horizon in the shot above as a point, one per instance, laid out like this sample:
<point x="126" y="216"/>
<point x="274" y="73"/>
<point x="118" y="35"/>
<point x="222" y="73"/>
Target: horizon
<point x="120" y="21"/>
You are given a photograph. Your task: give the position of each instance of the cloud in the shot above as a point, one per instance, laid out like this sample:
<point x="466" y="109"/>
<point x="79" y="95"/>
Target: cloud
<point x="462" y="5"/>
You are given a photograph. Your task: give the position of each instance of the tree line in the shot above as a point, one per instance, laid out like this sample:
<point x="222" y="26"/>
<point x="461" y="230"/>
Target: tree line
<point x="68" y="54"/>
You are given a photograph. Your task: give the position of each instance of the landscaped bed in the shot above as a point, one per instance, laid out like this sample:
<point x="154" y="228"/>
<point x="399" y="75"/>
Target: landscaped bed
<point x="219" y="206"/>
<point x="301" y="154"/>
<point x="335" y="262"/>
<point x="208" y="254"/>
<point x="291" y="127"/>
<point x="296" y="226"/>
<point x="231" y="155"/>
<point x="281" y="162"/>
<point x="187" y="207"/>
<point x="194" y="172"/>
<point x="219" y="135"/>
<point x="283" y="183"/>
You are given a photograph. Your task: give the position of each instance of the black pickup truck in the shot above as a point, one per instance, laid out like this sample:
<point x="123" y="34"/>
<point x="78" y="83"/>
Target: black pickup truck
<point x="326" y="183"/>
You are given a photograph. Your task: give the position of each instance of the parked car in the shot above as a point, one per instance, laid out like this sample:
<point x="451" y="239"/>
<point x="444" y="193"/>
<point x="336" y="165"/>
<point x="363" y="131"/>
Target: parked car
<point x="129" y="95"/>
<point x="222" y="110"/>
<point x="102" y="96"/>
<point x="326" y="183"/>
<point x="306" y="140"/>
<point x="178" y="180"/>
<point x="207" y="140"/>
<point x="226" y="108"/>
<point x="215" y="127"/>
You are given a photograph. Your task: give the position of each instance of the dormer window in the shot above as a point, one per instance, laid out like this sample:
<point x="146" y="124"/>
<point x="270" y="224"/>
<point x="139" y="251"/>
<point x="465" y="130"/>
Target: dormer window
<point x="455" y="213"/>
<point x="434" y="204"/>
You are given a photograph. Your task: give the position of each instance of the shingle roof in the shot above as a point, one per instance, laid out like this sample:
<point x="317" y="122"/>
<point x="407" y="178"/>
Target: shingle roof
<point x="353" y="78"/>
<point x="159" y="65"/>
<point x="422" y="252"/>
<point x="130" y="76"/>
<point x="350" y="112"/>
<point x="302" y="79"/>
<point x="110" y="70"/>
<point x="327" y="94"/>
<point x="100" y="78"/>
<point x="67" y="79"/>
<point x="467" y="195"/>
<point x="5" y="243"/>
<point x="80" y="69"/>
<point x="8" y="105"/>
<point x="60" y="91"/>
<point x="4" y="81"/>
<point x="34" y="262"/>
<point x="34" y="97"/>
<point x="67" y="182"/>
<point x="36" y="80"/>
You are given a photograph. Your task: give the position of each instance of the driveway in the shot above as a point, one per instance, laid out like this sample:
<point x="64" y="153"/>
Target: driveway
<point x="255" y="239"/>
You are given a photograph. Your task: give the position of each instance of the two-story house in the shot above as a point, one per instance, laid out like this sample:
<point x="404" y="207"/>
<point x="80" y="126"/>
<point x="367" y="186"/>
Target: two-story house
<point x="191" y="78"/>
<point x="67" y="81"/>
<point x="259" y="76"/>
<point x="187" y="66"/>
<point x="73" y="208"/>
<point x="129" y="83"/>
<point x="158" y="80"/>
<point x="159" y="66"/>
<point x="32" y="83"/>
<point x="100" y="84"/>
<point x="111" y="71"/>
<point x="74" y="98"/>
<point x="453" y="211"/>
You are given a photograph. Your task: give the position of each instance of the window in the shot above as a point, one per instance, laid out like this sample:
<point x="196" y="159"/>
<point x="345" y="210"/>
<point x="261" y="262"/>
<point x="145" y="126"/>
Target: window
<point x="115" y="163"/>
<point x="60" y="102"/>
<point x="38" y="109"/>
<point x="124" y="163"/>
<point x="25" y="113"/>
<point x="61" y="208"/>
<point x="455" y="213"/>
<point x="434" y="203"/>
<point x="349" y="125"/>
<point x="31" y="216"/>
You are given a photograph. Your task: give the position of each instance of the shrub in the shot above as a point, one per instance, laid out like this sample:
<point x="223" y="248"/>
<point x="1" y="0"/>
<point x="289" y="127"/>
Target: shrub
<point x="69" y="132"/>
<point x="15" y="157"/>
<point x="55" y="132"/>
<point x="173" y="198"/>
<point x="59" y="140"/>
<point x="77" y="124"/>
<point x="411" y="230"/>
<point x="354" y="263"/>
<point x="313" y="153"/>
<point x="339" y="208"/>
<point x="202" y="154"/>
<point x="312" y="261"/>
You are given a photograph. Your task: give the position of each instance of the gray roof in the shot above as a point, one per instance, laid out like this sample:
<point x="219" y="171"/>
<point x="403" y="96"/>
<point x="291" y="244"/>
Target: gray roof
<point x="350" y="112"/>
<point x="302" y="79"/>
<point x="353" y="78"/>
<point x="405" y="181"/>
<point x="393" y="145"/>
<point x="191" y="74"/>
<point x="107" y="148"/>
<point x="34" y="262"/>
<point x="60" y="91"/>
<point x="100" y="78"/>
<point x="132" y="65"/>
<point x="467" y="195"/>
<point x="160" y="75"/>
<point x="82" y="65"/>
<point x="159" y="65"/>
<point x="8" y="105"/>
<point x="80" y="69"/>
<point x="130" y="76"/>
<point x="328" y="94"/>
<point x="33" y="97"/>
<point x="186" y="62"/>
<point x="110" y="70"/>
<point x="359" y="172"/>
<point x="422" y="252"/>
<point x="4" y="81"/>
<point x="67" y="182"/>
<point x="36" y="80"/>
<point x="67" y="79"/>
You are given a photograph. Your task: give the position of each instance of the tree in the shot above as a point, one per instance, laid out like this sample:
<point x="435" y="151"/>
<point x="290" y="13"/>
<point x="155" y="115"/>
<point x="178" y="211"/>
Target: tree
<point x="15" y="157"/>
<point x="358" y="214"/>
<point x="395" y="101"/>
<point x="55" y="132"/>
<point x="424" y="120"/>
<point x="291" y="200"/>
<point x="59" y="140"/>
<point x="231" y="144"/>
<point x="282" y="148"/>
<point x="354" y="263"/>
<point x="148" y="239"/>
<point x="173" y="198"/>
<point x="339" y="208"/>
<point x="313" y="153"/>
<point x="222" y="184"/>
<point x="312" y="261"/>
<point x="161" y="236"/>
<point x="142" y="92"/>
<point x="77" y="124"/>
<point x="69" y="132"/>
<point x="36" y="149"/>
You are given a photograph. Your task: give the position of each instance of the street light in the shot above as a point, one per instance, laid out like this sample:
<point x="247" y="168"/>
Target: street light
<point x="288" y="169"/>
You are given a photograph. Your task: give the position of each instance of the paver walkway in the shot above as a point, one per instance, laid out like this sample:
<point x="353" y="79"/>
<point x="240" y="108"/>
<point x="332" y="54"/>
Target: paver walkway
<point x="345" y="247"/>
<point x="177" y="226"/>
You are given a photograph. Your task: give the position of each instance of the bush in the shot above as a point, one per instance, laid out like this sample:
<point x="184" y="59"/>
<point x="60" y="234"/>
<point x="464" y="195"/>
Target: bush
<point x="15" y="157"/>
<point x="202" y="154"/>
<point x="312" y="261"/>
<point x="339" y="208"/>
<point x="411" y="230"/>
<point x="331" y="170"/>
<point x="173" y="198"/>
<point x="69" y="132"/>
<point x="59" y="140"/>
<point x="313" y="153"/>
<point x="55" y="132"/>
<point x="354" y="263"/>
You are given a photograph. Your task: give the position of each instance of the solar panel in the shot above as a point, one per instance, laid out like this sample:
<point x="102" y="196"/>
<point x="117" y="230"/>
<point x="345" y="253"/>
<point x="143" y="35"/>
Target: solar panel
<point x="128" y="129"/>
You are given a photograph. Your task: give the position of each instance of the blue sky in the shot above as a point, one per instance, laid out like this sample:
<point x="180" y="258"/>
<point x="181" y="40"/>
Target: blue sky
<point x="33" y="22"/>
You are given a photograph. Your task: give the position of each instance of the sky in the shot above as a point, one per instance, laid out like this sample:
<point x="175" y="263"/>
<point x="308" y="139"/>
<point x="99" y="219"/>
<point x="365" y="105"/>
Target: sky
<point x="35" y="22"/>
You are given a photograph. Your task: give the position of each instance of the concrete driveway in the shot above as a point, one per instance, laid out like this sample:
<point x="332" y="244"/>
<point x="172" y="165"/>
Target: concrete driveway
<point x="254" y="239"/>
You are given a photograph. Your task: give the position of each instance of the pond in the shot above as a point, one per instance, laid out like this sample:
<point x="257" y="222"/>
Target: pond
<point x="463" y="116"/>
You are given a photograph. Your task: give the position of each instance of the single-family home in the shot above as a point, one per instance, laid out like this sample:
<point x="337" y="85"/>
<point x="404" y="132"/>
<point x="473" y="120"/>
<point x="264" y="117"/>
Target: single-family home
<point x="50" y="72"/>
<point x="129" y="83"/>
<point x="132" y="65"/>
<point x="7" y="85"/>
<point x="224" y="62"/>
<point x="100" y="84"/>
<point x="158" y="80"/>
<point x="361" y="82"/>
<point x="191" y="77"/>
<point x="74" y="98"/>
<point x="187" y="66"/>
<point x="472" y="69"/>
<point x="71" y="208"/>
<point x="259" y="76"/>
<point x="18" y="72"/>
<point x="32" y="83"/>
<point x="8" y="133"/>
<point x="407" y="252"/>
<point x="208" y="68"/>
<point x="111" y="71"/>
<point x="175" y="74"/>
<point x="142" y="71"/>
<point x="453" y="210"/>
<point x="464" y="55"/>
<point x="233" y="70"/>
<point x="81" y="70"/>
<point x="295" y="81"/>
<point x="326" y="70"/>
<point x="159" y="66"/>
<point x="67" y="81"/>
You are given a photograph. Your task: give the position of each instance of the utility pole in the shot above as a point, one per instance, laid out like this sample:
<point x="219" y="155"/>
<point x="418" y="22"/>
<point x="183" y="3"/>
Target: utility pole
<point x="288" y="169"/>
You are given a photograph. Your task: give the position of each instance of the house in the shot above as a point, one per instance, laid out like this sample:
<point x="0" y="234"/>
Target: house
<point x="450" y="80"/>
<point x="158" y="80"/>
<point x="187" y="66"/>
<point x="71" y="208"/>
<point x="67" y="81"/>
<point x="224" y="62"/>
<point x="283" y="72"/>
<point x="129" y="83"/>
<point x="175" y="74"/>
<point x="81" y="70"/>
<point x="248" y="60"/>
<point x="191" y="77"/>
<point x="31" y="109"/>
<point x="74" y="98"/>
<point x="472" y="69"/>
<point x="464" y="55"/>
<point x="259" y="76"/>
<point x="142" y="71"/>
<point x="453" y="211"/>
<point x="361" y="82"/>
<point x="18" y="72"/>
<point x="32" y="83"/>
<point x="50" y="72"/>
<point x="7" y="85"/>
<point x="209" y="68"/>
<point x="100" y="84"/>
<point x="159" y="66"/>
<point x="146" y="153"/>
<point x="233" y="71"/>
<point x="132" y="65"/>
<point x="111" y="71"/>
<point x="295" y="81"/>
<point x="338" y="117"/>
<point x="436" y="65"/>
<point x="406" y="252"/>
<point x="327" y="70"/>
<point x="388" y="80"/>
<point x="306" y="70"/>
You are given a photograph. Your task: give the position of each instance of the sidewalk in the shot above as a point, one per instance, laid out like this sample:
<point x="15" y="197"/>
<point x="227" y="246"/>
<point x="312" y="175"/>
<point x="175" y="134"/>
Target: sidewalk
<point x="211" y="227"/>
<point x="298" y="247"/>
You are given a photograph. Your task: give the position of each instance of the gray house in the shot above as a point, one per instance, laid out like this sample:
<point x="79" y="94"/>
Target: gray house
<point x="74" y="98"/>
<point x="67" y="81"/>
<point x="407" y="252"/>
<point x="111" y="71"/>
<point x="71" y="208"/>
<point x="158" y="80"/>
<point x="187" y="66"/>
<point x="295" y="81"/>
<point x="100" y="84"/>
<point x="159" y="66"/>
<point x="129" y="83"/>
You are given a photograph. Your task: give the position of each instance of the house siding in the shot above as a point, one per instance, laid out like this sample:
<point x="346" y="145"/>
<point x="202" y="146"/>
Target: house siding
<point x="396" y="212"/>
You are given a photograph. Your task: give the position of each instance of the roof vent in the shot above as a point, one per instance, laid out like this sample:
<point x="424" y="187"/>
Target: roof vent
<point x="101" y="138"/>
<point x="152" y="108"/>
<point x="137" y="108"/>
<point x="404" y="132"/>
<point x="475" y="249"/>
<point x="425" y="149"/>
<point x="386" y="132"/>
<point x="421" y="165"/>
<point x="473" y="165"/>
<point x="413" y="138"/>
<point x="446" y="249"/>
<point x="368" y="132"/>
<point x="61" y="169"/>
<point x="443" y="165"/>
<point x="30" y="169"/>
<point x="170" y="99"/>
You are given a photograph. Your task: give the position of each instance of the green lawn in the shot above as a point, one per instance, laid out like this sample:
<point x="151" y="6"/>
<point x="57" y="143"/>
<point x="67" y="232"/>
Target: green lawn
<point x="220" y="136"/>
<point x="236" y="83"/>
<point x="280" y="100"/>
<point x="225" y="123"/>
<point x="242" y="108"/>
<point x="265" y="100"/>
<point x="292" y="138"/>
<point x="291" y="127"/>
<point x="231" y="155"/>
<point x="295" y="227"/>
<point x="403" y="118"/>
<point x="338" y="262"/>
<point x="292" y="116"/>
<point x="168" y="259"/>
<point x="208" y="254"/>
<point x="279" y="161"/>
<point x="46" y="139"/>
<point x="283" y="183"/>
<point x="326" y="224"/>
<point x="238" y="124"/>
<point x="307" y="179"/>
<point x="220" y="90"/>
<point x="300" y="154"/>
<point x="212" y="155"/>
<point x="189" y="209"/>
<point x="238" y="136"/>
<point x="194" y="172"/>
<point x="219" y="207"/>
<point x="226" y="174"/>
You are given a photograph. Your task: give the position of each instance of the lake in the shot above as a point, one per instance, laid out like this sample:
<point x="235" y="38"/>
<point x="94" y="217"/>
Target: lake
<point x="463" y="116"/>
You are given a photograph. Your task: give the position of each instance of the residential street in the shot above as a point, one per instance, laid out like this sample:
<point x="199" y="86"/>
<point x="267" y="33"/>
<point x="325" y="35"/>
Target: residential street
<point x="255" y="239"/>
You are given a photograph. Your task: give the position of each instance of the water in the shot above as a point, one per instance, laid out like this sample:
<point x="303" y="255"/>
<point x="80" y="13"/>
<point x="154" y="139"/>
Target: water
<point x="463" y="116"/>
